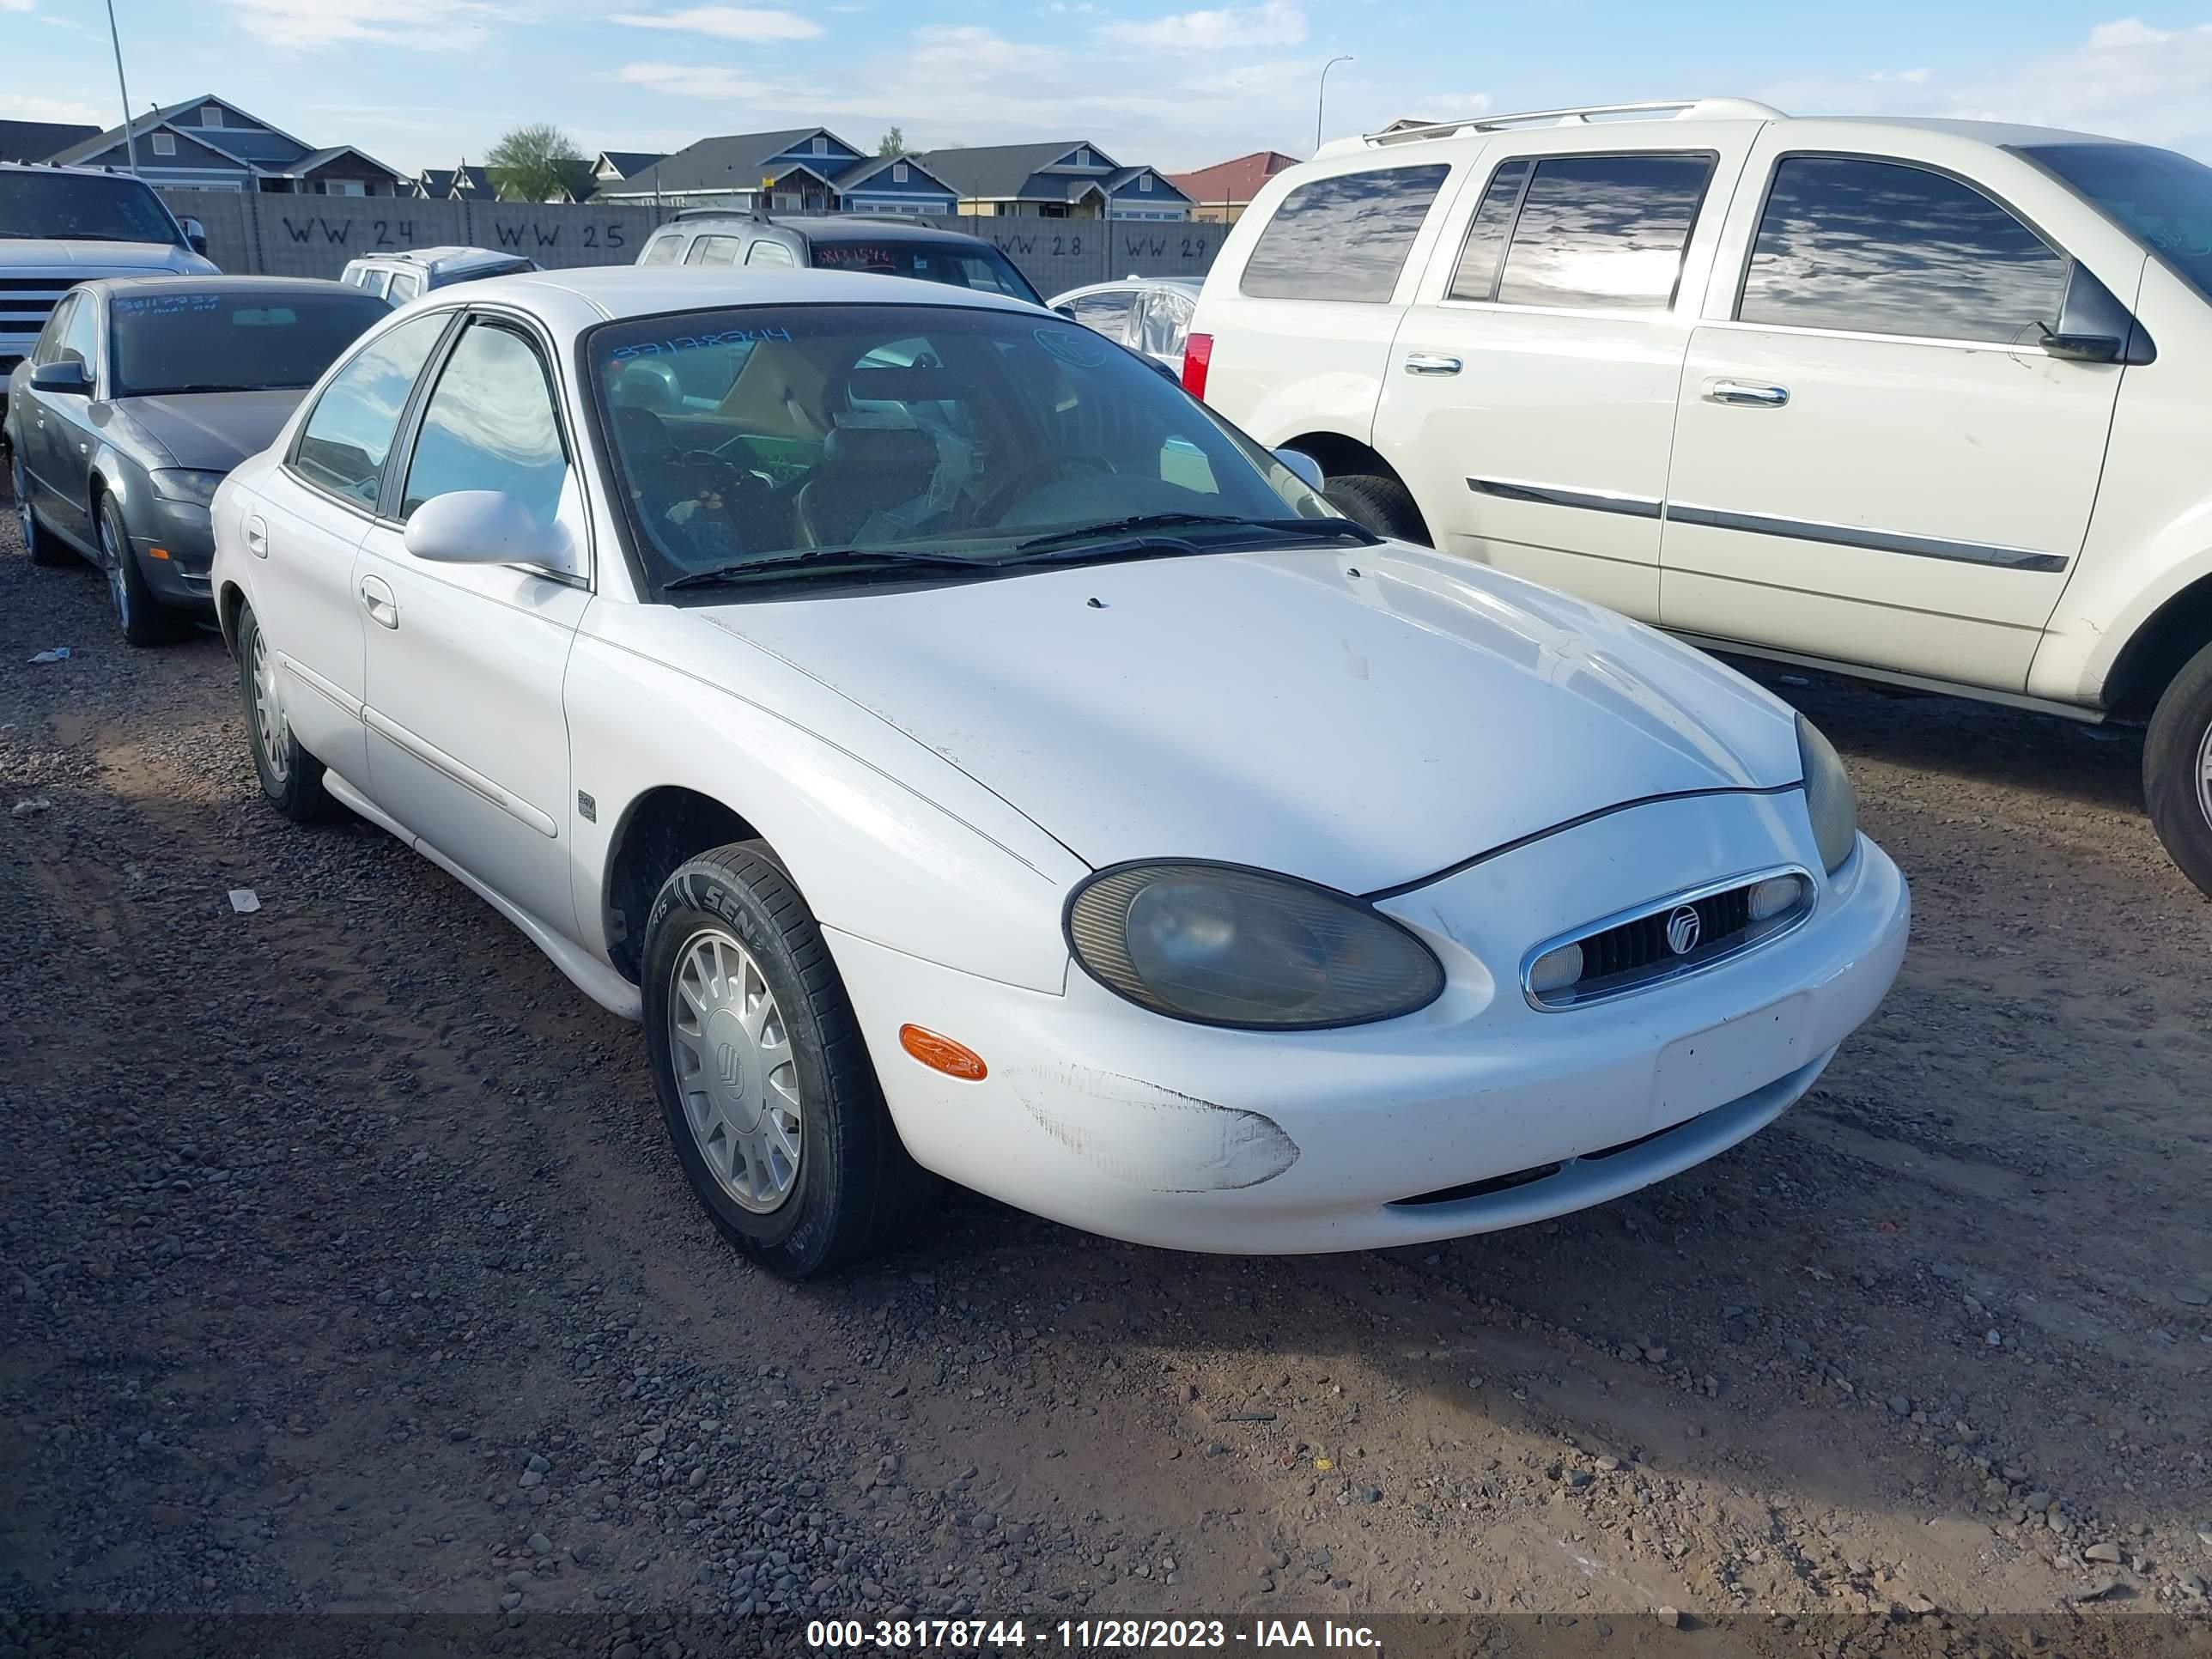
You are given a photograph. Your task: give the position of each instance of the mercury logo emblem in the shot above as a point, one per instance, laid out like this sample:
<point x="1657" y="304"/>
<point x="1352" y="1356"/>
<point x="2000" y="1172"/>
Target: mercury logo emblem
<point x="1683" y="928"/>
<point x="731" y="1067"/>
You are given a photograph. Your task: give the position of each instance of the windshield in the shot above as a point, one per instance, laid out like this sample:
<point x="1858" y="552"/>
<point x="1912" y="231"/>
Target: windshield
<point x="243" y="340"/>
<point x="78" y="206"/>
<point x="2162" y="199"/>
<point x="976" y="266"/>
<point x="744" y="438"/>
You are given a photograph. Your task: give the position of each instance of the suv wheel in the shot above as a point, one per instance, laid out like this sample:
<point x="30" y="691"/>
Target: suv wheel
<point x="770" y="1098"/>
<point x="2178" y="770"/>
<point x="41" y="544"/>
<point x="1378" y="503"/>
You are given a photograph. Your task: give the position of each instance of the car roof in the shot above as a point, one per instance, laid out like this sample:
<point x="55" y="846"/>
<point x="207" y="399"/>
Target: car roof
<point x="1190" y="285"/>
<point x="242" y="284"/>
<point x="853" y="228"/>
<point x="439" y="260"/>
<point x="578" y="298"/>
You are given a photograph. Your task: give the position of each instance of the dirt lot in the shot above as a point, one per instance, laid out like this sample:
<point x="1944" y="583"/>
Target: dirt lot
<point x="343" y="1266"/>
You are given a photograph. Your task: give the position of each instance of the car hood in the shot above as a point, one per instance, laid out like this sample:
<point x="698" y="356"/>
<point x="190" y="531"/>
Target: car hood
<point x="1277" y="709"/>
<point x="80" y="256"/>
<point x="212" y="431"/>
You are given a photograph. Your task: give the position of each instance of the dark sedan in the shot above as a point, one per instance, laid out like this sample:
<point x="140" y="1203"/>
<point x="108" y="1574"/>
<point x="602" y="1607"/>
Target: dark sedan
<point x="139" y="397"/>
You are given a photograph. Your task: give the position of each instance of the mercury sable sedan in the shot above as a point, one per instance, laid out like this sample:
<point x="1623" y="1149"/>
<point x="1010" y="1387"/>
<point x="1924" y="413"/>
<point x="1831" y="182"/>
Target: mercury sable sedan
<point x="971" y="758"/>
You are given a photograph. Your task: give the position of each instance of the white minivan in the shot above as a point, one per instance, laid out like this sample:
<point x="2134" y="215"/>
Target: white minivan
<point x="1918" y="400"/>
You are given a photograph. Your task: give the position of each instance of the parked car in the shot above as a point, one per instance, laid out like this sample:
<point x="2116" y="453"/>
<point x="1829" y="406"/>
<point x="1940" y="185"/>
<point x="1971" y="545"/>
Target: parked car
<point x="396" y="278"/>
<point x="966" y="754"/>
<point x="844" y="241"/>
<point x="61" y="226"/>
<point x="1922" y="401"/>
<point x="139" y="396"/>
<point x="1151" y="314"/>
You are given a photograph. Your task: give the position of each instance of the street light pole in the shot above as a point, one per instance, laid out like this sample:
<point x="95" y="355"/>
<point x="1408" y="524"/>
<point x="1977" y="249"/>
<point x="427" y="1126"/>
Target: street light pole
<point x="1320" y="97"/>
<point x="129" y="142"/>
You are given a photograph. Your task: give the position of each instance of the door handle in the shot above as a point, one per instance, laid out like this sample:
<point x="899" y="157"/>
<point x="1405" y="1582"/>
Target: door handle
<point x="1430" y="362"/>
<point x="1745" y="395"/>
<point x="257" y="538"/>
<point x="383" y="610"/>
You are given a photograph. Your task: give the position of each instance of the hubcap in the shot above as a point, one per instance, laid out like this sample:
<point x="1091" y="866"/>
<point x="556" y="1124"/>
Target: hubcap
<point x="269" y="728"/>
<point x="21" y="483"/>
<point x="2204" y="775"/>
<point x="119" y="585"/>
<point x="734" y="1070"/>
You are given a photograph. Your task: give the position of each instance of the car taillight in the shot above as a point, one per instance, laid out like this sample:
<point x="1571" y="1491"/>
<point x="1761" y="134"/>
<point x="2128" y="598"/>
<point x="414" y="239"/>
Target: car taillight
<point x="1197" y="356"/>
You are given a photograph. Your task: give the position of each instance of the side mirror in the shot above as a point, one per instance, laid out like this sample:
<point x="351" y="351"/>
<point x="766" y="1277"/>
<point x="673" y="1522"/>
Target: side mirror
<point x="2083" y="348"/>
<point x="1304" y="468"/>
<point x="486" y="526"/>
<point x="66" y="377"/>
<point x="196" y="236"/>
<point x="1067" y="311"/>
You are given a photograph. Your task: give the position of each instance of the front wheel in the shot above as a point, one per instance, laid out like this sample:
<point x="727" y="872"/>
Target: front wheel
<point x="291" y="778"/>
<point x="137" y="612"/>
<point x="770" y="1098"/>
<point x="2178" y="770"/>
<point x="1375" y="501"/>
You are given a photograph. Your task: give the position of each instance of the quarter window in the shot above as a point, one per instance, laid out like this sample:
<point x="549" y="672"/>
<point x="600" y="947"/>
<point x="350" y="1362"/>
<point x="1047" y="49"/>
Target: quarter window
<point x="1877" y="248"/>
<point x="1345" y="238"/>
<point x="661" y="251"/>
<point x="1603" y="232"/>
<point x="1484" y="249"/>
<point x="490" y="425"/>
<point x="765" y="252"/>
<point x="344" y="444"/>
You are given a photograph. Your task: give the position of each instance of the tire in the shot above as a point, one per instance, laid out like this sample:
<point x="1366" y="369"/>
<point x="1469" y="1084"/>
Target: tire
<point x="143" y="619"/>
<point x="1378" y="503"/>
<point x="733" y="1081"/>
<point x="2176" y="752"/>
<point x="41" y="544"/>
<point x="291" y="778"/>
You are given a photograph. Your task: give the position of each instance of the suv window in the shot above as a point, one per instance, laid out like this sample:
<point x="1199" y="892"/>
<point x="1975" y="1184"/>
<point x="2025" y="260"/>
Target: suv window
<point x="1882" y="247"/>
<point x="662" y="250"/>
<point x="343" y="444"/>
<point x="490" y="425"/>
<point x="106" y="207"/>
<point x="1345" y="238"/>
<point x="765" y="252"/>
<point x="1484" y="251"/>
<point x="712" y="250"/>
<point x="1603" y="232"/>
<point x="406" y="285"/>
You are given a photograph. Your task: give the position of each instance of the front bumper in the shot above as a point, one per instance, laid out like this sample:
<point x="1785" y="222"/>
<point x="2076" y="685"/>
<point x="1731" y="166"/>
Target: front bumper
<point x="176" y="548"/>
<point x="1109" y="1118"/>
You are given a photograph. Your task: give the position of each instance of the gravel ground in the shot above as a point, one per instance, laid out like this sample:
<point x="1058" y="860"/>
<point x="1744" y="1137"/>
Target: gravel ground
<point x="344" y="1267"/>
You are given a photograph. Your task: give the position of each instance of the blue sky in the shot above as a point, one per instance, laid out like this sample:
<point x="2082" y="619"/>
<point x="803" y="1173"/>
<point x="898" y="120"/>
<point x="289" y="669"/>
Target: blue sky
<point x="420" y="83"/>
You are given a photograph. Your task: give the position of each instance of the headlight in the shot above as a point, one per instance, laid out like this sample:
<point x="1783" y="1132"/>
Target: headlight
<point x="1828" y="796"/>
<point x="197" y="488"/>
<point x="1228" y="946"/>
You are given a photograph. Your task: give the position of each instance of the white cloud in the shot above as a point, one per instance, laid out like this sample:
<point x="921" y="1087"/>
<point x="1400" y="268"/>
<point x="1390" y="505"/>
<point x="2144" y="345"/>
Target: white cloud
<point x="727" y="22"/>
<point x="1912" y="77"/>
<point x="31" y="107"/>
<point x="417" y="25"/>
<point x="17" y="5"/>
<point x="1272" y="23"/>
<point x="690" y="80"/>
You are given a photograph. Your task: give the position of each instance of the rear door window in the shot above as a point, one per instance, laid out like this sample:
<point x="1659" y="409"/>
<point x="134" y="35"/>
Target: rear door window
<point x="712" y="250"/>
<point x="1604" y="232"/>
<point x="1345" y="238"/>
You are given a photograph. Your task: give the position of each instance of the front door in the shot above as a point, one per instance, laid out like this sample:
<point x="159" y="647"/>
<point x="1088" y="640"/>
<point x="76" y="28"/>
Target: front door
<point x="1529" y="398"/>
<point x="1876" y="460"/>
<point x="60" y="458"/>
<point x="468" y="744"/>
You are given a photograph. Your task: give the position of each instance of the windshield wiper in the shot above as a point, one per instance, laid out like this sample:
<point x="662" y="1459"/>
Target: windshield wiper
<point x="177" y="391"/>
<point x="1132" y="532"/>
<point x="829" y="558"/>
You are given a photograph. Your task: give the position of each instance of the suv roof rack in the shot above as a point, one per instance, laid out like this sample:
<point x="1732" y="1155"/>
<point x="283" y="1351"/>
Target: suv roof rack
<point x="717" y="213"/>
<point x="1580" y="115"/>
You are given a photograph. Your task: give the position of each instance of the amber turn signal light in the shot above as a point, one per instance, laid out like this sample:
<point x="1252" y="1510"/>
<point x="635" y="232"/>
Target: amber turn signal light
<point x="942" y="1054"/>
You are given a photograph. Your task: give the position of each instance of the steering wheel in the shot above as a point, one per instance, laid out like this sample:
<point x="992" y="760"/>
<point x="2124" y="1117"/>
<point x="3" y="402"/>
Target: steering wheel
<point x="994" y="511"/>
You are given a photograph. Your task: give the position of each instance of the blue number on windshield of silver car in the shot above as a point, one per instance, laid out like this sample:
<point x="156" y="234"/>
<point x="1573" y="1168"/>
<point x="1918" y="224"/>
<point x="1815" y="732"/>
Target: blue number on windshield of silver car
<point x="168" y="302"/>
<point x="697" y="342"/>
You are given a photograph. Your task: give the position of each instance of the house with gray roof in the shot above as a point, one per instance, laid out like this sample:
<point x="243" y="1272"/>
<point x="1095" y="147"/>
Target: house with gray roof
<point x="794" y="170"/>
<point x="464" y="183"/>
<point x="209" y="143"/>
<point x="613" y="166"/>
<point x="37" y="141"/>
<point x="1069" y="178"/>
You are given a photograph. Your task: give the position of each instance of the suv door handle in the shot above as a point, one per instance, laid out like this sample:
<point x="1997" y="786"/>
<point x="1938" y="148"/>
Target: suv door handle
<point x="257" y="538"/>
<point x="1745" y="395"/>
<point x="1430" y="362"/>
<point x="376" y="595"/>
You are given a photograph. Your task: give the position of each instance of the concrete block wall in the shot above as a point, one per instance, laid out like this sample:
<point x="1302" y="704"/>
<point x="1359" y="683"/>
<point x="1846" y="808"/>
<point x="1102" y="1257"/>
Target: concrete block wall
<point x="315" y="236"/>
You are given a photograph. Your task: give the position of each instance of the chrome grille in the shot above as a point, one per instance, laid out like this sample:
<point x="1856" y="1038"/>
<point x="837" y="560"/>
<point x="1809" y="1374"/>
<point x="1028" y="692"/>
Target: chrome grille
<point x="1646" y="946"/>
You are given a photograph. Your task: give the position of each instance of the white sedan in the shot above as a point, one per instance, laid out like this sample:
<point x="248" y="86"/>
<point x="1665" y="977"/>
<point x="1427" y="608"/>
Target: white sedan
<point x="969" y="757"/>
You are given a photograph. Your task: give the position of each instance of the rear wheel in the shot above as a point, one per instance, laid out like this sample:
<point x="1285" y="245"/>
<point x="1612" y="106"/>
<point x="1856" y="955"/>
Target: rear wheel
<point x="41" y="544"/>
<point x="1377" y="502"/>
<point x="142" y="618"/>
<point x="771" y="1100"/>
<point x="2178" y="770"/>
<point x="291" y="778"/>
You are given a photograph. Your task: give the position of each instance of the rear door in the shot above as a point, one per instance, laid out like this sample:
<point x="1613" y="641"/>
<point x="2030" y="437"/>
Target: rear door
<point x="1529" y="399"/>
<point x="1876" y="460"/>
<point x="1302" y="345"/>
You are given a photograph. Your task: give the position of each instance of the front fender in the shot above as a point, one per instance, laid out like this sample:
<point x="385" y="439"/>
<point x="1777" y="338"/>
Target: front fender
<point x="889" y="841"/>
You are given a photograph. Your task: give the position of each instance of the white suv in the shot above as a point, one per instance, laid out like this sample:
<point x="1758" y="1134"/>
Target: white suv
<point x="1917" y="400"/>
